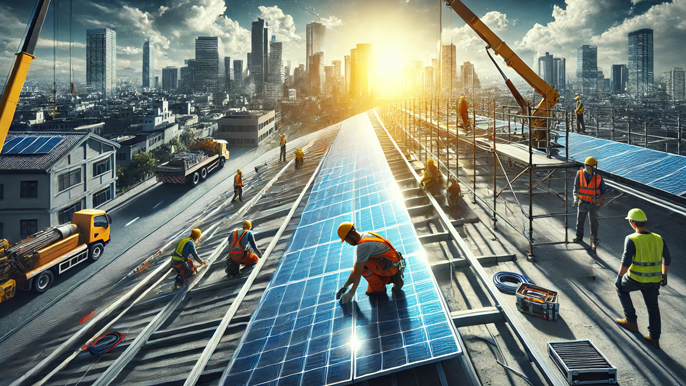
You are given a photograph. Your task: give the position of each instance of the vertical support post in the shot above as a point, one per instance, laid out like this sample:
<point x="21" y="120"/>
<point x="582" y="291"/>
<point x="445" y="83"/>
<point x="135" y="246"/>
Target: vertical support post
<point x="531" y="191"/>
<point x="495" y="171"/>
<point x="678" y="134"/>
<point x="566" y="176"/>
<point x="457" y="143"/>
<point x="612" y="125"/>
<point x="474" y="155"/>
<point x="628" y="134"/>
<point x="447" y="131"/>
<point x="645" y="135"/>
<point x="407" y="140"/>
<point x="597" y="123"/>
<point x="414" y="122"/>
<point x="509" y="119"/>
<point x="431" y="129"/>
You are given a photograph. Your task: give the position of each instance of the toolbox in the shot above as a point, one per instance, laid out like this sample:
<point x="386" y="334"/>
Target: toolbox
<point x="538" y="301"/>
<point x="582" y="363"/>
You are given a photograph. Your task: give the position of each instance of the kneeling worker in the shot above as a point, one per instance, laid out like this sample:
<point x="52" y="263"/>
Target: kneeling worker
<point x="375" y="258"/>
<point x="453" y="197"/>
<point x="240" y="241"/>
<point x="299" y="158"/>
<point x="181" y="257"/>
<point x="432" y="178"/>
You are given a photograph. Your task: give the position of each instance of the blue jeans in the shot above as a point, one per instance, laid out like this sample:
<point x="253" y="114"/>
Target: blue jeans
<point x="650" y="293"/>
<point x="591" y="210"/>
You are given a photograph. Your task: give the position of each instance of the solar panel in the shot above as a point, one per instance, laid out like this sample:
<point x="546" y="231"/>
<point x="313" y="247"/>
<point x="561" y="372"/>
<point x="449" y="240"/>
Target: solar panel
<point x="35" y="145"/>
<point x="30" y="145"/>
<point x="48" y="146"/>
<point x="10" y="144"/>
<point x="299" y="334"/>
<point x="22" y="144"/>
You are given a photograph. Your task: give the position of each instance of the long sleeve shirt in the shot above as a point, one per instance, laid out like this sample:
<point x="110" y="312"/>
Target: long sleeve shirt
<point x="249" y="238"/>
<point x="630" y="251"/>
<point x="190" y="251"/>
<point x="577" y="183"/>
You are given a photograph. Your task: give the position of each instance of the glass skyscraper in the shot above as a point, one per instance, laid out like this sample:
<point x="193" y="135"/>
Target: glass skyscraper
<point x="618" y="78"/>
<point x="259" y="60"/>
<point x="314" y="40"/>
<point x="148" y="63"/>
<point x="587" y="69"/>
<point x="209" y="64"/>
<point x="641" y="62"/>
<point x="101" y="61"/>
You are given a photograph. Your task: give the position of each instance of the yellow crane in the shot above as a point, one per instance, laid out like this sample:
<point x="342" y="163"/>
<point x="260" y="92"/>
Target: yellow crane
<point x="20" y="68"/>
<point x="548" y="93"/>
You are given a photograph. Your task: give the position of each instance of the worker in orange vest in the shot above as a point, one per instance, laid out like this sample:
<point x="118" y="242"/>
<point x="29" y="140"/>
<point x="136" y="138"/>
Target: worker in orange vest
<point x="240" y="241"/>
<point x="181" y="257"/>
<point x="589" y="194"/>
<point x="238" y="186"/>
<point x="282" y="156"/>
<point x="375" y="259"/>
<point x="464" y="114"/>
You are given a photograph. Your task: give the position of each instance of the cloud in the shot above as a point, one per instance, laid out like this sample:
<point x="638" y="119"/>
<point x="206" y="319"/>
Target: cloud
<point x="128" y="50"/>
<point x="281" y="25"/>
<point x="467" y="41"/>
<point x="331" y="21"/>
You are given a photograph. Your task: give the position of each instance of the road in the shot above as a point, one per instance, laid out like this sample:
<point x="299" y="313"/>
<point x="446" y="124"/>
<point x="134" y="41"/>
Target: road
<point x="132" y="222"/>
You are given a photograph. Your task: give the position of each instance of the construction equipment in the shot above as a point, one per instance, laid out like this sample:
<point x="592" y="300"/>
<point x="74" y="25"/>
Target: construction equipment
<point x="550" y="96"/>
<point x="206" y="155"/>
<point x="582" y="363"/>
<point x="538" y="301"/>
<point x="34" y="262"/>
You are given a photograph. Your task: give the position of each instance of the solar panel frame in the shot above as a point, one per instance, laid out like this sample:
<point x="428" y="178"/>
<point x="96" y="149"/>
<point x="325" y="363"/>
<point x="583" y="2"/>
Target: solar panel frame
<point x="21" y="145"/>
<point x="35" y="145"/>
<point x="10" y="144"/>
<point x="49" y="145"/>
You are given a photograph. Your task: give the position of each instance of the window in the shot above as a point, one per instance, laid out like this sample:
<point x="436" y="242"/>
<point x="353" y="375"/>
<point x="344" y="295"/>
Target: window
<point x="29" y="189"/>
<point x="101" y="167"/>
<point x="68" y="179"/>
<point x="101" y="222"/>
<point x="2" y="189"/>
<point x="101" y="197"/>
<point x="28" y="227"/>
<point x="64" y="215"/>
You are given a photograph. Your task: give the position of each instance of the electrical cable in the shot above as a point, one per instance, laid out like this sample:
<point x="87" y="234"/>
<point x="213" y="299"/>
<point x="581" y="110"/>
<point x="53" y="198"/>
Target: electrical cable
<point x="106" y="343"/>
<point x="501" y="278"/>
<point x="499" y="354"/>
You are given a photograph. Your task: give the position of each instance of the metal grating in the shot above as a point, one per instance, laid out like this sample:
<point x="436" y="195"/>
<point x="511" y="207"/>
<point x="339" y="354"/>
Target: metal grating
<point x="299" y="333"/>
<point x="581" y="362"/>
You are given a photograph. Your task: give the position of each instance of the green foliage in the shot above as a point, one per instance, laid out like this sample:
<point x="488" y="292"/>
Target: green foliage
<point x="162" y="153"/>
<point x="188" y="136"/>
<point x="142" y="166"/>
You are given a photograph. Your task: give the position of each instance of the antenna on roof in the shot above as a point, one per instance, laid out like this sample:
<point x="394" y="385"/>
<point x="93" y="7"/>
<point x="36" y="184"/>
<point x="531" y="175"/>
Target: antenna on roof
<point x="312" y="11"/>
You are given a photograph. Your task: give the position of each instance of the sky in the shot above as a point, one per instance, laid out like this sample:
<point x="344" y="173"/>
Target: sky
<point x="400" y="30"/>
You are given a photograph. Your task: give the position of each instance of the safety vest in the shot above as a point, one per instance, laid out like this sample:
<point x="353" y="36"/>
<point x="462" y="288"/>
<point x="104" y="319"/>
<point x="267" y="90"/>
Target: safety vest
<point x="463" y="107"/>
<point x="391" y="255"/>
<point x="235" y="247"/>
<point x="589" y="191"/>
<point x="579" y="107"/>
<point x="283" y="141"/>
<point x="178" y="252"/>
<point x="299" y="154"/>
<point x="647" y="262"/>
<point x="238" y="180"/>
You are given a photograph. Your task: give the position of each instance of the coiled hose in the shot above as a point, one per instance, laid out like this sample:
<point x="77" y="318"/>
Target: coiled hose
<point x="501" y="278"/>
<point x="106" y="343"/>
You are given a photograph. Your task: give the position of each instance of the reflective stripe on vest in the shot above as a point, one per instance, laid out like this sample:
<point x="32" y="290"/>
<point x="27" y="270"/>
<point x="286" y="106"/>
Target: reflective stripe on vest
<point x="238" y="180"/>
<point x="178" y="252"/>
<point x="646" y="266"/>
<point x="390" y="255"/>
<point x="589" y="191"/>
<point x="579" y="107"/>
<point x="236" y="244"/>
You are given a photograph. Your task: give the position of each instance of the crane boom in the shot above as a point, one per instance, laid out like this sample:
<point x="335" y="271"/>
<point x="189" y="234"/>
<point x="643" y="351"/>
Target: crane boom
<point x="20" y="68"/>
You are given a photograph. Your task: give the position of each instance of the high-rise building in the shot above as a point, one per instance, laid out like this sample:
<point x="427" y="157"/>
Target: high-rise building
<point x="618" y="78"/>
<point x="429" y="79"/>
<point x="148" y="63"/>
<point x="560" y="74"/>
<point x="316" y="74"/>
<point x="362" y="71"/>
<point x="437" y="75"/>
<point x="336" y="69"/>
<point x="237" y="75"/>
<point x="348" y="70"/>
<point x="275" y="62"/>
<point x="449" y="68"/>
<point x="546" y="69"/>
<point x="187" y="74"/>
<point x="259" y="59"/>
<point x="227" y="74"/>
<point x="314" y="40"/>
<point x="640" y="62"/>
<point x="329" y="80"/>
<point x="209" y="64"/>
<point x="300" y="78"/>
<point x="170" y="78"/>
<point x="101" y="61"/>
<point x="601" y="82"/>
<point x="587" y="69"/>
<point x="677" y="85"/>
<point x="469" y="79"/>
<point x="288" y="68"/>
<point x="413" y="77"/>
<point x="157" y="82"/>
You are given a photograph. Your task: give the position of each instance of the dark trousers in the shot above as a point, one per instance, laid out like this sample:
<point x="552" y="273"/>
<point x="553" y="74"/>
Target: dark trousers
<point x="580" y="126"/>
<point x="590" y="210"/>
<point x="650" y="293"/>
<point x="237" y="192"/>
<point x="282" y="156"/>
<point x="466" y="122"/>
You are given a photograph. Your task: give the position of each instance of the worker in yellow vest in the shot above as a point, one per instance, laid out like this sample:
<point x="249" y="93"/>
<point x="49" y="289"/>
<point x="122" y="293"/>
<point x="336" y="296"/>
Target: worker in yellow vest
<point x="589" y="196"/>
<point x="299" y="158"/>
<point x="432" y="180"/>
<point x="579" y="110"/>
<point x="181" y="257"/>
<point x="282" y="156"/>
<point x="647" y="260"/>
<point x="238" y="186"/>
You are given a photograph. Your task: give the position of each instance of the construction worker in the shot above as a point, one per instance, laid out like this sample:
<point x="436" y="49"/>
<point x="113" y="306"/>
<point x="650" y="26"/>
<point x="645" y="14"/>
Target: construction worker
<point x="240" y="241"/>
<point x="647" y="260"/>
<point x="238" y="186"/>
<point x="464" y="113"/>
<point x="589" y="194"/>
<point x="181" y="257"/>
<point x="375" y="258"/>
<point x="282" y="156"/>
<point x="580" y="126"/>
<point x="299" y="158"/>
<point x="432" y="178"/>
<point x="453" y="194"/>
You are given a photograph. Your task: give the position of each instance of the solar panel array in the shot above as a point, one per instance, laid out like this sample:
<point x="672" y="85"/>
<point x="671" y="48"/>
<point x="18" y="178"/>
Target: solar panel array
<point x="663" y="171"/>
<point x="30" y="145"/>
<point x="299" y="334"/>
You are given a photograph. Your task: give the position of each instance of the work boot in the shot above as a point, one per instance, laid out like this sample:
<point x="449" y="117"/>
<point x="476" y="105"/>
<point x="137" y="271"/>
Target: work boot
<point x="578" y="239"/>
<point x="633" y="327"/>
<point x="232" y="269"/>
<point x="397" y="281"/>
<point x="594" y="244"/>
<point x="654" y="342"/>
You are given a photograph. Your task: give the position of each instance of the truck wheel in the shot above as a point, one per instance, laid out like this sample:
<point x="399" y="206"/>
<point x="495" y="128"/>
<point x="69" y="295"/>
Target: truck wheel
<point x="96" y="251"/>
<point x="42" y="282"/>
<point x="203" y="173"/>
<point x="195" y="178"/>
<point x="221" y="162"/>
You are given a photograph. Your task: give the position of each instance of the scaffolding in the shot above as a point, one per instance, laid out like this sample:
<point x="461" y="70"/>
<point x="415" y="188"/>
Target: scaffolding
<point x="477" y="159"/>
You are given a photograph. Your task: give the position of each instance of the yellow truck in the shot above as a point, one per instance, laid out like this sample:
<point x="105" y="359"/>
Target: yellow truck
<point x="205" y="156"/>
<point x="33" y="263"/>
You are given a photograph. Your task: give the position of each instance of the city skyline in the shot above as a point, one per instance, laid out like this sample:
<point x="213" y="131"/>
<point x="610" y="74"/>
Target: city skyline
<point x="547" y="29"/>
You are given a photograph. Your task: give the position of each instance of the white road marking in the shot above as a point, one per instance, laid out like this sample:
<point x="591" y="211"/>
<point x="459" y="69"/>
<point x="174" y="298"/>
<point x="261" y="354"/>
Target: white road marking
<point x="159" y="203"/>
<point x="131" y="222"/>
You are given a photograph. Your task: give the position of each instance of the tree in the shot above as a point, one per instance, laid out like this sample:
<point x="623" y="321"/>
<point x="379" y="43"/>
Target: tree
<point x="188" y="136"/>
<point x="142" y="166"/>
<point x="162" y="153"/>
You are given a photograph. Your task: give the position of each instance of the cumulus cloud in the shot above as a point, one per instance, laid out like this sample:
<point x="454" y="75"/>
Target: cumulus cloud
<point x="468" y="42"/>
<point x="281" y="25"/>
<point x="331" y="21"/>
<point x="128" y="50"/>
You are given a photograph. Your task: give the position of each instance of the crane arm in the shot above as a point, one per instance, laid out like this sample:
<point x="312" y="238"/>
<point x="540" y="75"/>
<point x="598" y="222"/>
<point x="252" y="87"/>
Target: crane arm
<point x="549" y="94"/>
<point x="20" y="68"/>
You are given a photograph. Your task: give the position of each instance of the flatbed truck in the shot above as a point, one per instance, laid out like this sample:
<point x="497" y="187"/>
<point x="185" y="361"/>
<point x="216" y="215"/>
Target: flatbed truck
<point x="194" y="166"/>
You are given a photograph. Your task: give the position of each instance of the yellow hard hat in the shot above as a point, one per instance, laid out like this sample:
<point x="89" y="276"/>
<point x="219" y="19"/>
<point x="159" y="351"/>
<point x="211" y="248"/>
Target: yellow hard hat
<point x="430" y="162"/>
<point x="247" y="225"/>
<point x="462" y="97"/>
<point x="576" y="99"/>
<point x="344" y="229"/>
<point x="636" y="215"/>
<point x="239" y="171"/>
<point x="195" y="234"/>
<point x="283" y="135"/>
<point x="591" y="161"/>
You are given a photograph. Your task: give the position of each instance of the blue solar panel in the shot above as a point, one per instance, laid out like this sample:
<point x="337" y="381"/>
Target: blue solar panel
<point x="22" y="144"/>
<point x="48" y="146"/>
<point x="10" y="144"/>
<point x="30" y="145"/>
<point x="299" y="333"/>
<point x="35" y="145"/>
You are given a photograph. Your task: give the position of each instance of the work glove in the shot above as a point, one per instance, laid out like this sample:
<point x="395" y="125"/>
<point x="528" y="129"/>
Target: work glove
<point x="663" y="282"/>
<point x="341" y="292"/>
<point x="618" y="283"/>
<point x="347" y="297"/>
